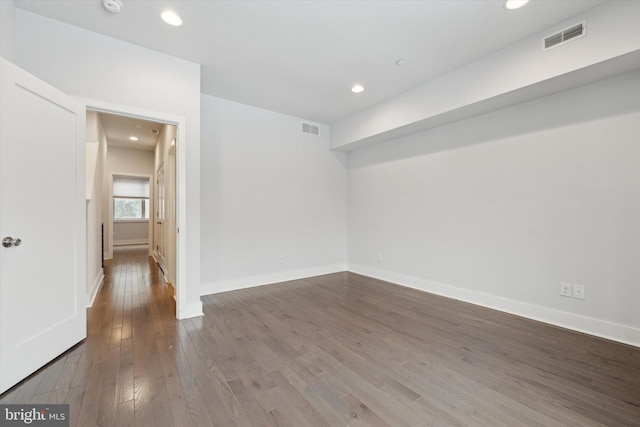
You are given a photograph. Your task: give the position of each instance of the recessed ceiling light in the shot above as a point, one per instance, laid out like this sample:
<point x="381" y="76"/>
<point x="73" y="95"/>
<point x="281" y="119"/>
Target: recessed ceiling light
<point x="133" y="138"/>
<point x="357" y="89"/>
<point x="515" y="4"/>
<point x="401" y="61"/>
<point x="171" y="18"/>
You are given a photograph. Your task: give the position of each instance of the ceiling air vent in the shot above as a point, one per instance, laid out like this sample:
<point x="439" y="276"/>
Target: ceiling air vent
<point x="571" y="33"/>
<point x="309" y="128"/>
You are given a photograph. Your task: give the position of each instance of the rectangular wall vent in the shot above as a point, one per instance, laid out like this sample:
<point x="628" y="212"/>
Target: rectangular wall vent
<point x="309" y="128"/>
<point x="571" y="33"/>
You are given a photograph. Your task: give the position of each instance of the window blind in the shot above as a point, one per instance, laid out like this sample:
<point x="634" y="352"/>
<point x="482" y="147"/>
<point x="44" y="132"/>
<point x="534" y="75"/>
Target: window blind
<point x="130" y="187"/>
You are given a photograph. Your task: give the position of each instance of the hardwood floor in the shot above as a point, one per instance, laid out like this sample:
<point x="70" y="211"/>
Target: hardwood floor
<point x="334" y="350"/>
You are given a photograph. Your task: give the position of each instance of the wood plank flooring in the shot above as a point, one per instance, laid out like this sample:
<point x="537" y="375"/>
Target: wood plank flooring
<point x="334" y="350"/>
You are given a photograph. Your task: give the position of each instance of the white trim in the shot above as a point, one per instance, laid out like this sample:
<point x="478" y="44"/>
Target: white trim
<point x="601" y="328"/>
<point x="183" y="311"/>
<point x="131" y="242"/>
<point x="268" y="279"/>
<point x="190" y="311"/>
<point x="97" y="284"/>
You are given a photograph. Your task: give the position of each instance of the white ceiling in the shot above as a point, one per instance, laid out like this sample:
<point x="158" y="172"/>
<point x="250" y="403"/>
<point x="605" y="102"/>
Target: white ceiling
<point x="302" y="57"/>
<point x="118" y="129"/>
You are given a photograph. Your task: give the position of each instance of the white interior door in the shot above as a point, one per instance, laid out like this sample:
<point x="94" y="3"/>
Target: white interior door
<point x="170" y="222"/>
<point x="160" y="239"/>
<point x="42" y="280"/>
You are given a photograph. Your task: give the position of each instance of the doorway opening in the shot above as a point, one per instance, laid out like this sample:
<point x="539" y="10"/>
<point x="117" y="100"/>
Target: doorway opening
<point x="140" y="185"/>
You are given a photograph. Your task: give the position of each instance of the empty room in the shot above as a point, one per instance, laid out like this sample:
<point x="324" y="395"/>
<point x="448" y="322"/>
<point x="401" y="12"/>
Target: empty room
<point x="320" y="213"/>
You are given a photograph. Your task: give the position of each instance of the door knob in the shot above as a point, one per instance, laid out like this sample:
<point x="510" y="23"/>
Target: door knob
<point x="7" y="242"/>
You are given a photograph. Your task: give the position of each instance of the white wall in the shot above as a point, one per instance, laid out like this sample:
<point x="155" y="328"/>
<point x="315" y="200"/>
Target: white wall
<point x="268" y="190"/>
<point x="166" y="136"/>
<point x="95" y="135"/>
<point x="130" y="232"/>
<point x="7" y="29"/>
<point x="90" y="65"/>
<point x="126" y="162"/>
<point x="499" y="209"/>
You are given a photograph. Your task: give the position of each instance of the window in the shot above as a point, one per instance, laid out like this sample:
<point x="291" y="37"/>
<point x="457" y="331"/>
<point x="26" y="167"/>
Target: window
<point x="130" y="199"/>
<point x="130" y="208"/>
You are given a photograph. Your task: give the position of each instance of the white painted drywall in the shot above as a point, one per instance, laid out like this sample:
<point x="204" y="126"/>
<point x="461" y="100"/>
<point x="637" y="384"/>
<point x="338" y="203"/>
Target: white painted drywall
<point x="268" y="190"/>
<point x="127" y="161"/>
<point x="124" y="162"/>
<point x="93" y="66"/>
<point x="166" y="136"/>
<point x="130" y="232"/>
<point x="511" y="75"/>
<point x="499" y="209"/>
<point x="96" y="137"/>
<point x="7" y="29"/>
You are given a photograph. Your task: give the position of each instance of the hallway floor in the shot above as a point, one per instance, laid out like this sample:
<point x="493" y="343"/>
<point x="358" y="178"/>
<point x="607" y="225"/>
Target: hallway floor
<point x="108" y="378"/>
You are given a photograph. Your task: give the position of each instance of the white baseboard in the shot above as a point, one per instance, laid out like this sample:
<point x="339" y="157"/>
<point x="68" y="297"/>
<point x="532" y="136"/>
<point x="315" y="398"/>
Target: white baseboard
<point x="600" y="328"/>
<point x="97" y="283"/>
<point x="131" y="242"/>
<point x="267" y="279"/>
<point x="192" y="310"/>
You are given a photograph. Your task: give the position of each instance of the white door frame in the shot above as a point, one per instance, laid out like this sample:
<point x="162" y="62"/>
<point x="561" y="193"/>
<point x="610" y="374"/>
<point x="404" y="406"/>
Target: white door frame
<point x="181" y="184"/>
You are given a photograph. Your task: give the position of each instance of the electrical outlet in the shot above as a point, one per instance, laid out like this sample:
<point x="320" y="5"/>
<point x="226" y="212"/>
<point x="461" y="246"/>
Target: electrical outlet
<point x="282" y="259"/>
<point x="565" y="289"/>
<point x="380" y="257"/>
<point x="578" y="291"/>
